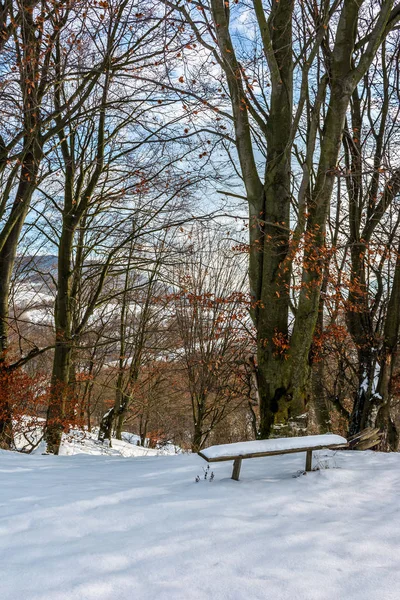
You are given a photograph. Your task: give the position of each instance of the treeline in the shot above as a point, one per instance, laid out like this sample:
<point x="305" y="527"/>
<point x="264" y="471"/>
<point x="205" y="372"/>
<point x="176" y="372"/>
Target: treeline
<point x="148" y="151"/>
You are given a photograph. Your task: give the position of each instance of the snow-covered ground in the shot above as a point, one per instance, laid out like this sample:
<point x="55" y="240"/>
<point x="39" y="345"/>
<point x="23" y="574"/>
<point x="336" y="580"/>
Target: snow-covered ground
<point x="110" y="528"/>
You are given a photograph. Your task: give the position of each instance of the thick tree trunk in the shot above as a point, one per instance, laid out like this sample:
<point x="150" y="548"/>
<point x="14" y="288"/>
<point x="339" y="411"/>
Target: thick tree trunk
<point x="59" y="396"/>
<point x="269" y="233"/>
<point x="283" y="356"/>
<point x="63" y="345"/>
<point x="30" y="48"/>
<point x="29" y="170"/>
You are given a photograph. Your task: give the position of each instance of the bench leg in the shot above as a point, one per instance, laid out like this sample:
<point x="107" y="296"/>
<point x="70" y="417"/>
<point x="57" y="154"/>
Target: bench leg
<point x="309" y="460"/>
<point x="237" y="463"/>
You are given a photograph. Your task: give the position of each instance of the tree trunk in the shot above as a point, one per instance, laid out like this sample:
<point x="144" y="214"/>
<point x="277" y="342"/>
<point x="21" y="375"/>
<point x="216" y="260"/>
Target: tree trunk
<point x="283" y="359"/>
<point x="378" y="411"/>
<point x="143" y="430"/>
<point x="384" y="419"/>
<point x="364" y="390"/>
<point x="197" y="441"/>
<point x="62" y="360"/>
<point x="319" y="402"/>
<point x="106" y="426"/>
<point x="30" y="49"/>
<point x="29" y="170"/>
<point x="269" y="233"/>
<point x="120" y="414"/>
<point x="6" y="428"/>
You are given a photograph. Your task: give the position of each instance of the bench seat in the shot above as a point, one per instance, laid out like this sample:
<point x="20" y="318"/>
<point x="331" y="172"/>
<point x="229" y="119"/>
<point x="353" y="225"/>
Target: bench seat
<point x="242" y="450"/>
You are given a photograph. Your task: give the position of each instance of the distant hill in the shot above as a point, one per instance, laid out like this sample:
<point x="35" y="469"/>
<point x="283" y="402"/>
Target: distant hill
<point x="37" y="268"/>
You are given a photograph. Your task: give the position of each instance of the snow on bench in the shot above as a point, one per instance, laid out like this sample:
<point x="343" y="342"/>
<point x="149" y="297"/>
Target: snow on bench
<point x="237" y="452"/>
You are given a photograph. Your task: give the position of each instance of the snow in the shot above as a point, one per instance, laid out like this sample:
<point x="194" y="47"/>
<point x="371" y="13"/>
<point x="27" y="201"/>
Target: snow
<point x="110" y="528"/>
<point x="90" y="445"/>
<point x="272" y="445"/>
<point x="81" y="441"/>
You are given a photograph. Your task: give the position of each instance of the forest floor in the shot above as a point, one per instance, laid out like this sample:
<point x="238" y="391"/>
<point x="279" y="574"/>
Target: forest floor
<point x="86" y="527"/>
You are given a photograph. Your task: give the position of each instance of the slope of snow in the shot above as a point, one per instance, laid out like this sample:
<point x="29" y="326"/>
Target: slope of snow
<point x="108" y="528"/>
<point x="89" y="445"/>
<point x="273" y="445"/>
<point x="29" y="432"/>
<point x="83" y="442"/>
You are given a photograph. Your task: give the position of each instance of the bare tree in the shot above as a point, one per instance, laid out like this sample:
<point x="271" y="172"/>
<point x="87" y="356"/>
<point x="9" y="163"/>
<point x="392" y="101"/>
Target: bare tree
<point x="210" y="311"/>
<point x="289" y="89"/>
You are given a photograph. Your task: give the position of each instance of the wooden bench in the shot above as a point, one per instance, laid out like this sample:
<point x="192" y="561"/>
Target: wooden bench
<point x="239" y="451"/>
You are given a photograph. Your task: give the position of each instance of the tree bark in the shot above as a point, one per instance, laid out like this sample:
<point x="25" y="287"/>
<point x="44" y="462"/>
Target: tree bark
<point x="283" y="356"/>
<point x="63" y="344"/>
